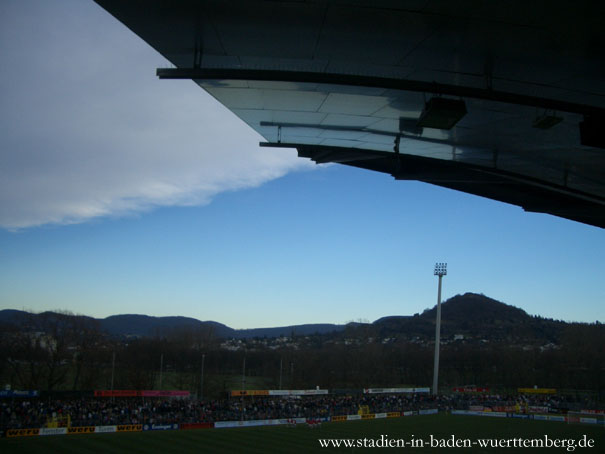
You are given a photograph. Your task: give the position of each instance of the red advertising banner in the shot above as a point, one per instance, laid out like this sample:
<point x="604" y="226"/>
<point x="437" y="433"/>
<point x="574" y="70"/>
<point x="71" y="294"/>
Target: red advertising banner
<point x="196" y="425"/>
<point x="504" y="408"/>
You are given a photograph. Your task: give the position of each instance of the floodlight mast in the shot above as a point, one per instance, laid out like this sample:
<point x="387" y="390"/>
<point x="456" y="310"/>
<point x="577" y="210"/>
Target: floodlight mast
<point x="440" y="270"/>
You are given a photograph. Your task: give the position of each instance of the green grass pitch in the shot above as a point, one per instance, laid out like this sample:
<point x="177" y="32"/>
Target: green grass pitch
<point x="301" y="439"/>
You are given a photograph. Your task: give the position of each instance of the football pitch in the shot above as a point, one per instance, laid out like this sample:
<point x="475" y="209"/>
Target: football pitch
<point x="414" y="431"/>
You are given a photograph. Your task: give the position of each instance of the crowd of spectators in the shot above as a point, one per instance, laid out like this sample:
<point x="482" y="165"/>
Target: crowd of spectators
<point x="99" y="411"/>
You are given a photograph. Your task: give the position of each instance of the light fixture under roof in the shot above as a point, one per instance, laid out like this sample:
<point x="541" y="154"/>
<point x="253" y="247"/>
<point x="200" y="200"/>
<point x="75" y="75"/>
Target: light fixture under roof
<point x="442" y="113"/>
<point x="591" y="131"/>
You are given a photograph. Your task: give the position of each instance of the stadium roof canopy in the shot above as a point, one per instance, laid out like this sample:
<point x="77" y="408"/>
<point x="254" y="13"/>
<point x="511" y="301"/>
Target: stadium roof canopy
<point x="505" y="100"/>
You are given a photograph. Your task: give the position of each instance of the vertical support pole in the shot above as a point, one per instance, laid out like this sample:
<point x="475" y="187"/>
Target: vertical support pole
<point x="113" y="368"/>
<point x="243" y="387"/>
<point x="437" y="341"/>
<point x="161" y="368"/>
<point x="202" y="378"/>
<point x="440" y="270"/>
<point x="281" y="363"/>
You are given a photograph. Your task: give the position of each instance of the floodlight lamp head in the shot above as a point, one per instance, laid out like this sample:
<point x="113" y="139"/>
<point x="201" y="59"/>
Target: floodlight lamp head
<point x="440" y="269"/>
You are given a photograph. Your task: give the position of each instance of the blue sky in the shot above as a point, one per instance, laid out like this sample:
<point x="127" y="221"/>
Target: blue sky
<point x="120" y="193"/>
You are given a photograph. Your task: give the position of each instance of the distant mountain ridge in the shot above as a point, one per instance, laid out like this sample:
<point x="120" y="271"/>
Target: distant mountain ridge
<point x="136" y="325"/>
<point x="471" y="314"/>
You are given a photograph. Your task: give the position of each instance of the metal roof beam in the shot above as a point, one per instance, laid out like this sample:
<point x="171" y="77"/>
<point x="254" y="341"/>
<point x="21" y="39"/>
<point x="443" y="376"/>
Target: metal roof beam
<point x="381" y="82"/>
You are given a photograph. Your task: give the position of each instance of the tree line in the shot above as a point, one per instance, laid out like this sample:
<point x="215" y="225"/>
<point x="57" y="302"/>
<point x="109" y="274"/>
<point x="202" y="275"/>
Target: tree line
<point x="67" y="353"/>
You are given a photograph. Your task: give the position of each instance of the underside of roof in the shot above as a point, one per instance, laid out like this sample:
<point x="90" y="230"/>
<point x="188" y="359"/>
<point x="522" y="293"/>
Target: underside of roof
<point x="504" y="100"/>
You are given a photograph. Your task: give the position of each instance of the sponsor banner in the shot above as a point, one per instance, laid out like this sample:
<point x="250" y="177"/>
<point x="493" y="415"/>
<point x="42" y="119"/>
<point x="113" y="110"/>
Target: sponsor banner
<point x="105" y="429"/>
<point x="353" y="417"/>
<point x="430" y="411"/>
<point x="196" y="425"/>
<point x="494" y="414"/>
<point x="381" y="415"/>
<point x="504" y="408"/>
<point x="408" y="413"/>
<point x="311" y="420"/>
<point x="81" y="430"/>
<point x="470" y="389"/>
<point x="509" y="415"/>
<point x="130" y="428"/>
<point x="368" y="416"/>
<point x="160" y="427"/>
<point x="467" y="412"/>
<point x="53" y="431"/>
<point x="225" y="424"/>
<point x="588" y="420"/>
<point x="557" y="418"/>
<point x="17" y="393"/>
<point x="593" y="412"/>
<point x="537" y="390"/>
<point x="297" y="392"/>
<point x="395" y="390"/>
<point x="302" y="420"/>
<point x="339" y="418"/>
<point x="22" y="432"/>
<point x="279" y="392"/>
<point x="251" y="392"/>
<point x="255" y="423"/>
<point x="537" y="409"/>
<point x="275" y="422"/>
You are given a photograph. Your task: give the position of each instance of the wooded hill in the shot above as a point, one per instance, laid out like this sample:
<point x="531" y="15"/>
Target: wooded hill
<point x="484" y="342"/>
<point x="471" y="315"/>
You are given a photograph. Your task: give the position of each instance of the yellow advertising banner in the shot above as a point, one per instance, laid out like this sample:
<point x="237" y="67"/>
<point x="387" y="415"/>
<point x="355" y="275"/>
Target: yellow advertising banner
<point x="537" y="390"/>
<point x="130" y="428"/>
<point x="22" y="432"/>
<point x="81" y="430"/>
<point x="251" y="392"/>
<point x="368" y="416"/>
<point x="393" y="414"/>
<point x="338" y="418"/>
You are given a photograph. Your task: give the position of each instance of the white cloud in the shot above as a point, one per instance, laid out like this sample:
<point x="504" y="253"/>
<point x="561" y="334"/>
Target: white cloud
<point x="88" y="130"/>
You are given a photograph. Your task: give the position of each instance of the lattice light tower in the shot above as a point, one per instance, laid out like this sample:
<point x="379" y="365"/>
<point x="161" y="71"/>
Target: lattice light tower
<point x="440" y="270"/>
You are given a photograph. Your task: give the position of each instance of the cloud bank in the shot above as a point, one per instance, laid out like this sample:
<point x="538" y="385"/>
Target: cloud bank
<point x="89" y="131"/>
